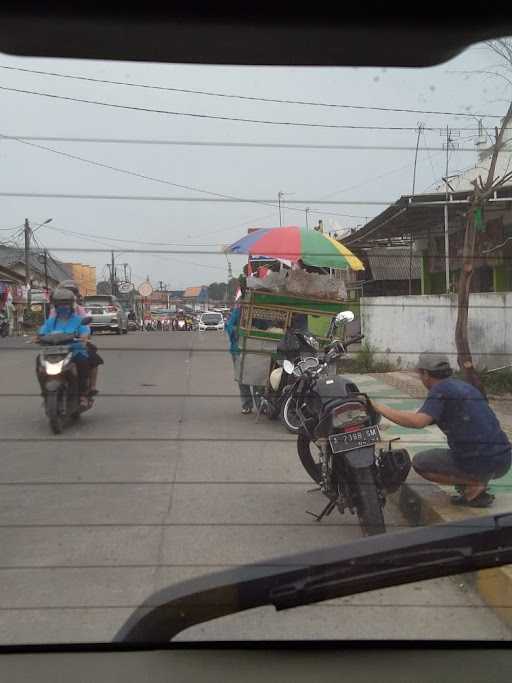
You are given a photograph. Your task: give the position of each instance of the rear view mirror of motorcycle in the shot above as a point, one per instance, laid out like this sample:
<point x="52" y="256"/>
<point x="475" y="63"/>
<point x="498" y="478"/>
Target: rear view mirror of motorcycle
<point x="344" y="317"/>
<point x="288" y="367"/>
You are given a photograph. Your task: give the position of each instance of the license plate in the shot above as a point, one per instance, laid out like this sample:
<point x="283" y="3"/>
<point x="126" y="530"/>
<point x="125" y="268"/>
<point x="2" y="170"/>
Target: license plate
<point x="348" y="441"/>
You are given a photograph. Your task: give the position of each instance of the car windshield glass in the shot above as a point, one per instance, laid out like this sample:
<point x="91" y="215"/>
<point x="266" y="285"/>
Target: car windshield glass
<point x="176" y="441"/>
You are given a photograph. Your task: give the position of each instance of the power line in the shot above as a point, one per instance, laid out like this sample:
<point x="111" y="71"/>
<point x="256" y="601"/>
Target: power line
<point x="224" y="143"/>
<point x="143" y="176"/>
<point x="272" y="100"/>
<point x="220" y="200"/>
<point x="15" y="227"/>
<point x="218" y="117"/>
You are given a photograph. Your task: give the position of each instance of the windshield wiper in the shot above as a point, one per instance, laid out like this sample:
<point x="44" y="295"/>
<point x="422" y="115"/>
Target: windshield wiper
<point x="364" y="565"/>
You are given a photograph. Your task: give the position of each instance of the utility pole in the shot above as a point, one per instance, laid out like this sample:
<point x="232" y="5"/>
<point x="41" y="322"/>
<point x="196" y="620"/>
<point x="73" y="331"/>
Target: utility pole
<point x="420" y="128"/>
<point x="279" y="197"/>
<point x="446" y="237"/>
<point x="112" y="275"/>
<point x="28" y="235"/>
<point x="307" y="215"/>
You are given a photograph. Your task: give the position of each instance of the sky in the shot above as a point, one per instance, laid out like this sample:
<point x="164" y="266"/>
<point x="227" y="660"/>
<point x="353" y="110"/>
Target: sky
<point x="363" y="176"/>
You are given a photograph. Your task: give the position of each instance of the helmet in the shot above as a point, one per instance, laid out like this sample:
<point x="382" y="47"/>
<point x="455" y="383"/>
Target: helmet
<point x="62" y="296"/>
<point x="69" y="284"/>
<point x="394" y="466"/>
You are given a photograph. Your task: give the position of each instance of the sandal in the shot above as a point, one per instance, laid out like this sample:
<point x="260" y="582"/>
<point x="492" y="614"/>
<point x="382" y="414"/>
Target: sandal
<point x="484" y="500"/>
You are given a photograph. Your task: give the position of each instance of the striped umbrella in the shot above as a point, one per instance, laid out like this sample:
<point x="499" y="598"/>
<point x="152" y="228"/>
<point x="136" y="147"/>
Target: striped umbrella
<point x="292" y="243"/>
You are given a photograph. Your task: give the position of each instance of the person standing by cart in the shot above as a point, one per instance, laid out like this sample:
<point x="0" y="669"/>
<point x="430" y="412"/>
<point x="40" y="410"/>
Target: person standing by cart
<point x="250" y="396"/>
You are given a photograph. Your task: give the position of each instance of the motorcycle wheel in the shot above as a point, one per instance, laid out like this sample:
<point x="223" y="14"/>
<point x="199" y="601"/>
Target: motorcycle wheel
<point x="369" y="509"/>
<point x="289" y="417"/>
<point x="4" y="331"/>
<point x="307" y="460"/>
<point x="52" y="410"/>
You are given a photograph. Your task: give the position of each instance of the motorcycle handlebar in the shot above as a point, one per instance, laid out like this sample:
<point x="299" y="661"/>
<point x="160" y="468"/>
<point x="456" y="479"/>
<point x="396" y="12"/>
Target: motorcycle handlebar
<point x="354" y="340"/>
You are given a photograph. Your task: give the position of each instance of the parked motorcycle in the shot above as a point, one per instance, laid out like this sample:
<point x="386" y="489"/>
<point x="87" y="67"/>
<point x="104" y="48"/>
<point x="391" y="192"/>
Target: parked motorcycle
<point x="59" y="381"/>
<point x="295" y="346"/>
<point x="337" y="441"/>
<point x="4" y="325"/>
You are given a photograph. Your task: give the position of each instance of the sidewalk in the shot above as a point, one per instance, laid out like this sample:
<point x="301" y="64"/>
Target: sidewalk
<point x="425" y="503"/>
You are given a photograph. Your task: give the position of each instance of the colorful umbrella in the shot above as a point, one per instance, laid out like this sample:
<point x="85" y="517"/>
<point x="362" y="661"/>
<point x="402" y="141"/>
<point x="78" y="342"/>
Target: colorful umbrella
<point x="292" y="243"/>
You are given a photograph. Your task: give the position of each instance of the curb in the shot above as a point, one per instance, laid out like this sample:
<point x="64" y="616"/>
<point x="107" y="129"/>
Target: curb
<point x="425" y="503"/>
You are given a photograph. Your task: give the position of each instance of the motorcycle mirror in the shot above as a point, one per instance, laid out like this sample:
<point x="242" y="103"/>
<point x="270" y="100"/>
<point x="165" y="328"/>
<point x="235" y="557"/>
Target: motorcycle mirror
<point x="344" y="317"/>
<point x="288" y="367"/>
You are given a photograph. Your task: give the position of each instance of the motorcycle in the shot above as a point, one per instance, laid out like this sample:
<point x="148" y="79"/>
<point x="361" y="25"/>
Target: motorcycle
<point x="4" y="325"/>
<point x="183" y="324"/>
<point x="295" y="346"/>
<point x="59" y="381"/>
<point x="337" y="441"/>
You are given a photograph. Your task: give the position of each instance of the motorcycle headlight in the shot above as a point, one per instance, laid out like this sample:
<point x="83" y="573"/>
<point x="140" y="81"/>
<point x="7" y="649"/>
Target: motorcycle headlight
<point x="351" y="414"/>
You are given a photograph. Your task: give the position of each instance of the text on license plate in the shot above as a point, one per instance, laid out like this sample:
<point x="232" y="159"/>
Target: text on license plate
<point x="349" y="440"/>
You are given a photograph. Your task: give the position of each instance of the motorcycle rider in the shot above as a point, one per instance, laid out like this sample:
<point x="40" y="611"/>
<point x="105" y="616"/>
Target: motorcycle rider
<point x="67" y="321"/>
<point x="478" y="449"/>
<point x="95" y="360"/>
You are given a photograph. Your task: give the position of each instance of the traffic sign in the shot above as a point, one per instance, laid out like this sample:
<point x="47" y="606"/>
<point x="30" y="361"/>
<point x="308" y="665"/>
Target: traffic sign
<point x="125" y="287"/>
<point x="145" y="289"/>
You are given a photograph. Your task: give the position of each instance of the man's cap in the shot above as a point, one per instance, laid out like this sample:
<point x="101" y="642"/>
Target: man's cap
<point x="433" y="362"/>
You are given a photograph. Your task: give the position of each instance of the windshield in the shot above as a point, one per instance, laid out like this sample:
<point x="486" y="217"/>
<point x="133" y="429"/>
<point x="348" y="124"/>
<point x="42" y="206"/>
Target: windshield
<point x="168" y="451"/>
<point x="212" y="318"/>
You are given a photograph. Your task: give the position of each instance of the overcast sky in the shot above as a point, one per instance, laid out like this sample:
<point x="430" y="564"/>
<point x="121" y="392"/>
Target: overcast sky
<point x="348" y="175"/>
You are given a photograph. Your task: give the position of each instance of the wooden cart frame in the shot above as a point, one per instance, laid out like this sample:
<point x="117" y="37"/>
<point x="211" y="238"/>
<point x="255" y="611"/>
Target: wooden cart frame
<point x="279" y="309"/>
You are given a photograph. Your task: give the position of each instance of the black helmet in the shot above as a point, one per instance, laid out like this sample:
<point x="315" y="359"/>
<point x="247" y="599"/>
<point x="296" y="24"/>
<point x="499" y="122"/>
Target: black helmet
<point x="69" y="284"/>
<point x="62" y="295"/>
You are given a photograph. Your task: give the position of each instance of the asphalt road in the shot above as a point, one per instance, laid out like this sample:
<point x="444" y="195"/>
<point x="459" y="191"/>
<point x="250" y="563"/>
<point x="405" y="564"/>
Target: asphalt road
<point x="165" y="480"/>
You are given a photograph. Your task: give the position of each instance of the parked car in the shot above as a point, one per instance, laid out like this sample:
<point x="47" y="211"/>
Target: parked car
<point x="211" y="320"/>
<point x="106" y="313"/>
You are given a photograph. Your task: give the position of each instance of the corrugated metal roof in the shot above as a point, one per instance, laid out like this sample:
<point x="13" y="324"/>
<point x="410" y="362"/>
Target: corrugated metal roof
<point x="393" y="263"/>
<point x="10" y="256"/>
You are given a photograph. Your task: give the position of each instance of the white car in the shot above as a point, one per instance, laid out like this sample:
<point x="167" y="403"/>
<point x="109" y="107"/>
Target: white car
<point x="211" y="321"/>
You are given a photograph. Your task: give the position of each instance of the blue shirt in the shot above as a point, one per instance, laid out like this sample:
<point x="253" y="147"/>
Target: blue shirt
<point x="463" y="414"/>
<point x="71" y="325"/>
<point x="232" y="330"/>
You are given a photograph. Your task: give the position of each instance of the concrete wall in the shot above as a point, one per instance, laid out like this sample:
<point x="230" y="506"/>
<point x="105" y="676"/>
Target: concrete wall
<point x="400" y="327"/>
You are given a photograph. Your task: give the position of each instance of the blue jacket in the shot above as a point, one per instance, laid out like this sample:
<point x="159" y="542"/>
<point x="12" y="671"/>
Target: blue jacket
<point x="71" y="325"/>
<point x="232" y="330"/>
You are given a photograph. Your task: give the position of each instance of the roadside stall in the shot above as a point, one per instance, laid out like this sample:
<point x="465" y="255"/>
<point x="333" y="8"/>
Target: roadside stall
<point x="302" y="297"/>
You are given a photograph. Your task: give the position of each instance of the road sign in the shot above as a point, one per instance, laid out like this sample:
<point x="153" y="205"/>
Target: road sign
<point x="145" y="289"/>
<point x="125" y="287"/>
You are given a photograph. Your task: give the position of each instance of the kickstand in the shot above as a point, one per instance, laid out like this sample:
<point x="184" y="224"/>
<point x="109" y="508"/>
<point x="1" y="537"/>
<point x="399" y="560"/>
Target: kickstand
<point x="314" y="490"/>
<point x="325" y="512"/>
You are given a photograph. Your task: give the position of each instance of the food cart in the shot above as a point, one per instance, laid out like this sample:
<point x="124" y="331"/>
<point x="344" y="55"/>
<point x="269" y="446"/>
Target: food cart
<point x="265" y="317"/>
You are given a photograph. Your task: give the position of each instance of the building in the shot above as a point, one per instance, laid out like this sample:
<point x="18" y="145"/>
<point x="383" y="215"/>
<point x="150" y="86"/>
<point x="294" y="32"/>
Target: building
<point x="45" y="271"/>
<point x="196" y="297"/>
<point x="426" y="233"/>
<point x="419" y="222"/>
<point x="84" y="276"/>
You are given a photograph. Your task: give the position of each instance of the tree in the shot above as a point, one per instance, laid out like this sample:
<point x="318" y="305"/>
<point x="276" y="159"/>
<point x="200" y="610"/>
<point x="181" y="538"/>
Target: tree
<point x="474" y="223"/>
